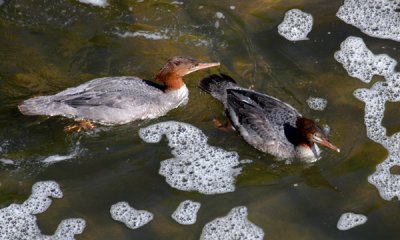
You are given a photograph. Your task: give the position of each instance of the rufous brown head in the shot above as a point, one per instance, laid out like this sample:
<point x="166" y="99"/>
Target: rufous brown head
<point x="177" y="67"/>
<point x="312" y="133"/>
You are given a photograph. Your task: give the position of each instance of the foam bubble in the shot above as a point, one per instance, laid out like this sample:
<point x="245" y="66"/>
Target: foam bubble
<point x="360" y="62"/>
<point x="131" y="217"/>
<point x="388" y="184"/>
<point x="296" y="25"/>
<point x="318" y="104"/>
<point x="376" y="18"/>
<point x="186" y="213"/>
<point x="17" y="221"/>
<point x="235" y="225"/>
<point x="98" y="3"/>
<point x="350" y="220"/>
<point x="196" y="166"/>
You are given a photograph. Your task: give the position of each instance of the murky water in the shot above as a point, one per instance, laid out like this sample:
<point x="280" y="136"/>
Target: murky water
<point x="47" y="46"/>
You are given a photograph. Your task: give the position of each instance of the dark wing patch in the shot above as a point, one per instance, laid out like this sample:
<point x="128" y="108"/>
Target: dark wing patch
<point x="258" y="121"/>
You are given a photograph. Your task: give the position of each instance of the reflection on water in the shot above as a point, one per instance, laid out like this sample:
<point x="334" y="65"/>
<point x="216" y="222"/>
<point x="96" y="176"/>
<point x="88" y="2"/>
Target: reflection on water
<point x="47" y="46"/>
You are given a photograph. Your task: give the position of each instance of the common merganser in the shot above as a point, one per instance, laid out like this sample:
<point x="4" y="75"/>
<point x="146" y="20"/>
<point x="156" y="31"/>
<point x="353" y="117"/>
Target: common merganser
<point x="267" y="123"/>
<point x="118" y="100"/>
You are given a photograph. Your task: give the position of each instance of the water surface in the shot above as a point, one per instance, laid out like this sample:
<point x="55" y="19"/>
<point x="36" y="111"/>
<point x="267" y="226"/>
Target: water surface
<point x="47" y="46"/>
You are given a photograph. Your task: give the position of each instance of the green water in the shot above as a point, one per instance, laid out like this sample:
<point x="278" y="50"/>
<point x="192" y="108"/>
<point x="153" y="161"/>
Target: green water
<point x="49" y="45"/>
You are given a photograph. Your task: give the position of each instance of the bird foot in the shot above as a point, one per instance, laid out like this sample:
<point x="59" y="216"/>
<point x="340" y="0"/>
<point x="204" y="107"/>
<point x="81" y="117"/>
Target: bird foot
<point x="81" y="125"/>
<point x="225" y="127"/>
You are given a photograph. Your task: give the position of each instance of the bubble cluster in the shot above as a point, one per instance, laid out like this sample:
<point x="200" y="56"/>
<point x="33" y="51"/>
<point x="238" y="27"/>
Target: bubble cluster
<point x="376" y="18"/>
<point x="235" y="225"/>
<point x="360" y="62"/>
<point x="196" y="166"/>
<point x="296" y="25"/>
<point x="350" y="220"/>
<point x="17" y="221"/>
<point x="186" y="213"/>
<point x="131" y="217"/>
<point x="318" y="104"/>
<point x="388" y="184"/>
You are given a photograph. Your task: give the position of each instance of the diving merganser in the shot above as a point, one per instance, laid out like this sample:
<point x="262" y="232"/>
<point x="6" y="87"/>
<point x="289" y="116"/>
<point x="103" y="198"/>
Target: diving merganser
<point x="267" y="123"/>
<point x="118" y="100"/>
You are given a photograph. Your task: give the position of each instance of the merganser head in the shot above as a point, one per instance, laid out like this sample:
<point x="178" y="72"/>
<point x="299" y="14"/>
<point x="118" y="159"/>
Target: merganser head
<point x="177" y="67"/>
<point x="312" y="133"/>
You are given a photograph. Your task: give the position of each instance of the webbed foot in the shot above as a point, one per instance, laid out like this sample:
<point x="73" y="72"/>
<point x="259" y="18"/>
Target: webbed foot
<point x="224" y="127"/>
<point x="79" y="126"/>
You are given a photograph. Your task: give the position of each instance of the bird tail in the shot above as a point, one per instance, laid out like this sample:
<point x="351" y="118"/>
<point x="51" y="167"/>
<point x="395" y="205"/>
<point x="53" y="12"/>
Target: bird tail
<point x="35" y="106"/>
<point x="216" y="85"/>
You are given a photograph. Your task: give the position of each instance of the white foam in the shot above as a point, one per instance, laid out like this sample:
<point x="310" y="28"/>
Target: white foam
<point x="360" y="62"/>
<point x="296" y="25"/>
<point x="318" y="104"/>
<point x="219" y="15"/>
<point x="350" y="220"/>
<point x="131" y="217"/>
<point x="17" y="221"/>
<point x="196" y="166"/>
<point x="375" y="98"/>
<point x="145" y="34"/>
<point x="98" y="3"/>
<point x="376" y="18"/>
<point x="235" y="225"/>
<point x="177" y="3"/>
<point x="7" y="161"/>
<point x="232" y="7"/>
<point x="58" y="158"/>
<point x="186" y="213"/>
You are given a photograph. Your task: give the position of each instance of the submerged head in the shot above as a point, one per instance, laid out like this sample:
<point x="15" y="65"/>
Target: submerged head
<point x="312" y="133"/>
<point x="177" y="67"/>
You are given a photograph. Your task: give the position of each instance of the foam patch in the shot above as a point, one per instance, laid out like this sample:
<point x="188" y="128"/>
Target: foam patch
<point x="375" y="98"/>
<point x="131" y="217"/>
<point x="235" y="225"/>
<point x="361" y="63"/>
<point x="382" y="21"/>
<point x="296" y="25"/>
<point x="186" y="213"/>
<point x="196" y="166"/>
<point x="350" y="220"/>
<point x="17" y="221"/>
<point x="318" y="104"/>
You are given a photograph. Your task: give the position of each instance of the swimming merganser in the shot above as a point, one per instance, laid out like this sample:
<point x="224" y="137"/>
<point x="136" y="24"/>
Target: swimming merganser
<point x="118" y="100"/>
<point x="267" y="123"/>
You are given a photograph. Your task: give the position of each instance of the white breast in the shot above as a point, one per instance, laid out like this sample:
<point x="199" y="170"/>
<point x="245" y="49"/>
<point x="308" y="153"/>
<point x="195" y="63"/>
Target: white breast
<point x="307" y="154"/>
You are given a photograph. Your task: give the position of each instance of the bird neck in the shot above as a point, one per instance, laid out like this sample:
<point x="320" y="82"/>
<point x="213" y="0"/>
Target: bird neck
<point x="171" y="80"/>
<point x="308" y="153"/>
